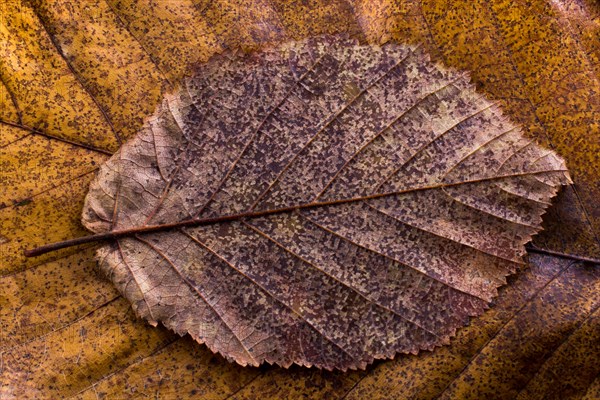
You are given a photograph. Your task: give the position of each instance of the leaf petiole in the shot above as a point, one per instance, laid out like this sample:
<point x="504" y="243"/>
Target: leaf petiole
<point x="113" y="235"/>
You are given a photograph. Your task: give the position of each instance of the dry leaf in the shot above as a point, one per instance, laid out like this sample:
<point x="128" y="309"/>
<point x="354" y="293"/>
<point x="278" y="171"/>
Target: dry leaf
<point x="352" y="202"/>
<point x="66" y="332"/>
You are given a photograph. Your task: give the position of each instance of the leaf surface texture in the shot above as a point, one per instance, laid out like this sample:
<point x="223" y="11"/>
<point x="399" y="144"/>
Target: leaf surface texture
<point x="381" y="202"/>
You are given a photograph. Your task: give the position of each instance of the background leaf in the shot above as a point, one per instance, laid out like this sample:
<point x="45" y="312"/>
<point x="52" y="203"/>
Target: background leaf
<point x="68" y="68"/>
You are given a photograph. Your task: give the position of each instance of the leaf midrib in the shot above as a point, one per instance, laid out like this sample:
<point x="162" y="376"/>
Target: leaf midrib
<point x="115" y="234"/>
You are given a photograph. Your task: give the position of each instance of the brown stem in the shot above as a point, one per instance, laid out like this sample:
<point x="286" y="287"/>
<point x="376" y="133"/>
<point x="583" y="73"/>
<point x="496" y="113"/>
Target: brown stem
<point x="206" y="221"/>
<point x="38" y="251"/>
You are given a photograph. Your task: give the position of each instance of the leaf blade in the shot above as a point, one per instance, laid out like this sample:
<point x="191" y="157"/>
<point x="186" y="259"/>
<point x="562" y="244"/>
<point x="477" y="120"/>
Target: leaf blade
<point x="291" y="138"/>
